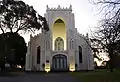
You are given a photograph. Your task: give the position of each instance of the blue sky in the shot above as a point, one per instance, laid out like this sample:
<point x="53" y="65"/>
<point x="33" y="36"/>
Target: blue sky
<point x="85" y="13"/>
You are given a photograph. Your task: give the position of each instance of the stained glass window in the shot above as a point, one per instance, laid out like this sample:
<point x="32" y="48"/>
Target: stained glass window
<point x="59" y="44"/>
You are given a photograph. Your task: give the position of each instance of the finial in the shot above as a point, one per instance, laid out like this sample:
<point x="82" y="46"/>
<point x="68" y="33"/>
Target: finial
<point x="47" y="7"/>
<point x="59" y="7"/>
<point x="70" y="6"/>
<point x="87" y="35"/>
<point x="30" y="35"/>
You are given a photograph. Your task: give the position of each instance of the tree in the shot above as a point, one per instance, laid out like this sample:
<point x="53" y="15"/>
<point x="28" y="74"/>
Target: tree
<point x="13" y="48"/>
<point x="109" y="8"/>
<point x="108" y="36"/>
<point x="108" y="32"/>
<point x="2" y="63"/>
<point x="15" y="15"/>
<point x="17" y="48"/>
<point x="95" y="49"/>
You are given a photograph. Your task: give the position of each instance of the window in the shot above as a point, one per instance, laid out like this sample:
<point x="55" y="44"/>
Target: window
<point x="72" y="43"/>
<point x="80" y="54"/>
<point x="59" y="44"/>
<point x="47" y="61"/>
<point x="47" y="45"/>
<point x="38" y="55"/>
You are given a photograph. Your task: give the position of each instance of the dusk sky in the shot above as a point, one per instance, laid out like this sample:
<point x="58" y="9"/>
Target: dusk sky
<point x="86" y="15"/>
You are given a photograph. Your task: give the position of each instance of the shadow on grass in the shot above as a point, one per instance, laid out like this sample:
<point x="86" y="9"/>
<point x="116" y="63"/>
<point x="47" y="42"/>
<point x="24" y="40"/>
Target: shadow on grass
<point x="11" y="73"/>
<point x="101" y="75"/>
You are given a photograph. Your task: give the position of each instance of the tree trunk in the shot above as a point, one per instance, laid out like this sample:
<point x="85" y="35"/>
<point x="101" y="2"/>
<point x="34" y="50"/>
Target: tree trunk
<point x="111" y="59"/>
<point x="2" y="66"/>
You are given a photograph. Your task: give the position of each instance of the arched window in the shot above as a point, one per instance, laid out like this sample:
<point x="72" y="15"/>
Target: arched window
<point x="59" y="44"/>
<point x="38" y="55"/>
<point x="80" y="54"/>
<point x="47" y="45"/>
<point x="59" y="21"/>
<point x="72" y="44"/>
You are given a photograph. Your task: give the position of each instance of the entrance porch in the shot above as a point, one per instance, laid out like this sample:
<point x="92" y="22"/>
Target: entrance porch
<point x="59" y="63"/>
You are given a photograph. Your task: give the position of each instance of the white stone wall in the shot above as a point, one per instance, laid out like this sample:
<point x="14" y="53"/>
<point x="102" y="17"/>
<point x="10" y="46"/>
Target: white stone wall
<point x="74" y="39"/>
<point x="87" y="57"/>
<point x="35" y="42"/>
<point x="28" y="59"/>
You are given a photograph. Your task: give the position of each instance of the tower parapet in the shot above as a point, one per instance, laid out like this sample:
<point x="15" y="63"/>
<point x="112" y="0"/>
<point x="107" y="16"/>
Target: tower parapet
<point x="59" y="8"/>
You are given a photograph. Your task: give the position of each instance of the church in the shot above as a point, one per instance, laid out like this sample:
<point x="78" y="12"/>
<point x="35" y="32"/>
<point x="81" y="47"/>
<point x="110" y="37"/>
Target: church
<point x="62" y="47"/>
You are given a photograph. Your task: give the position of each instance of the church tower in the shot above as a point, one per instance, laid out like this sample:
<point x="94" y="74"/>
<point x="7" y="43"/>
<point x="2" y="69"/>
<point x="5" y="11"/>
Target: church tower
<point x="60" y="21"/>
<point x="61" y="24"/>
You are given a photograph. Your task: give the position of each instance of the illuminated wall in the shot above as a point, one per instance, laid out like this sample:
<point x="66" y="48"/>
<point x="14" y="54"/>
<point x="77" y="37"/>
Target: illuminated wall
<point x="59" y="30"/>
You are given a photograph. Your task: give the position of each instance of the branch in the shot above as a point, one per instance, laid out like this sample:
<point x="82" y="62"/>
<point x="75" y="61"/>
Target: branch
<point x="19" y="27"/>
<point x="2" y="29"/>
<point x="108" y="2"/>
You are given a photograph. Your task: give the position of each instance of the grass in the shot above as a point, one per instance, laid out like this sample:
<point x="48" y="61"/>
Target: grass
<point x="102" y="75"/>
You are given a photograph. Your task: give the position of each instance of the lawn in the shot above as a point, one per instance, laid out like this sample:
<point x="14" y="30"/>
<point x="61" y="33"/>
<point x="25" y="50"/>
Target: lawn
<point x="102" y="75"/>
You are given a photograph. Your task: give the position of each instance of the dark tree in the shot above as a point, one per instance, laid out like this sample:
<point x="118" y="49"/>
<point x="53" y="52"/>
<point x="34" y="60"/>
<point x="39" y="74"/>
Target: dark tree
<point x="17" y="48"/>
<point x="95" y="49"/>
<point x="2" y="62"/>
<point x="109" y="8"/>
<point x="15" y="15"/>
<point x="108" y="35"/>
<point x="13" y="48"/>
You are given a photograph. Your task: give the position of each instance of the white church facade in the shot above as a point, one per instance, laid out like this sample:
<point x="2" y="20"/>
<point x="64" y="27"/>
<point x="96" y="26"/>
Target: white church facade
<point x="62" y="47"/>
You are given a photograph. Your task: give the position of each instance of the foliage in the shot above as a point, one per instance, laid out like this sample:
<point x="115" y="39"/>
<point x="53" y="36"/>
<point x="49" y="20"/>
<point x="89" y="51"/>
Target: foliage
<point x="108" y="31"/>
<point x="14" y="48"/>
<point x="2" y="52"/>
<point x="108" y="8"/>
<point x="15" y="15"/>
<point x="95" y="48"/>
<point x="108" y="35"/>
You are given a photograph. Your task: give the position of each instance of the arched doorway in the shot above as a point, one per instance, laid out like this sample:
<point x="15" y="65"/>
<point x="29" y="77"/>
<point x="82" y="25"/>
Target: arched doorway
<point x="59" y="62"/>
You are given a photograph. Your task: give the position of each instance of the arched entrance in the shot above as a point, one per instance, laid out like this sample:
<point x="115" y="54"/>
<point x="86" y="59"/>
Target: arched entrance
<point x="59" y="62"/>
